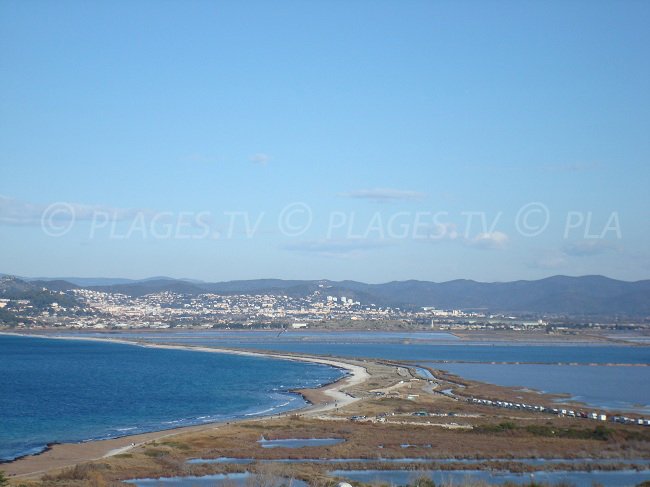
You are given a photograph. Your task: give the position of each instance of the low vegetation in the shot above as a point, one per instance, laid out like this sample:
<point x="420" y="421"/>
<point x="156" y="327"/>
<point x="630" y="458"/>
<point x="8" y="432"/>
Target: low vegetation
<point x="597" y="433"/>
<point x="91" y="474"/>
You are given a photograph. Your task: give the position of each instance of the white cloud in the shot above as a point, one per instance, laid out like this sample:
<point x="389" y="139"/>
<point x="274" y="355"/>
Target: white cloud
<point x="489" y="240"/>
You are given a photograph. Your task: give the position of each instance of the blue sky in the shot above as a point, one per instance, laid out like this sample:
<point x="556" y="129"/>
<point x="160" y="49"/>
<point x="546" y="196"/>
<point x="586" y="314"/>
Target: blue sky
<point x="366" y="140"/>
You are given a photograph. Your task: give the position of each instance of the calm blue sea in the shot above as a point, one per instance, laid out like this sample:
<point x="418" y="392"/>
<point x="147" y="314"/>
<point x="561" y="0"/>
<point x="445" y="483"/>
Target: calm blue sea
<point x="72" y="390"/>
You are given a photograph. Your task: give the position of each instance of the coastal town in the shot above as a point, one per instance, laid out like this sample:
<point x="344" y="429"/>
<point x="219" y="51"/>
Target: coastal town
<point x="167" y="309"/>
<point x="84" y="308"/>
<point x="90" y="308"/>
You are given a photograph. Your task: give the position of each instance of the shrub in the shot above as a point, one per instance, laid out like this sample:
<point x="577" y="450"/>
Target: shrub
<point x="155" y="452"/>
<point x="423" y="481"/>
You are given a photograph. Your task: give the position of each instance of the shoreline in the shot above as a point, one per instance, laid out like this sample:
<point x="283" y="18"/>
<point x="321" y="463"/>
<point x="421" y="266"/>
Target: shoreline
<point x="384" y="415"/>
<point x="62" y="455"/>
<point x="322" y="399"/>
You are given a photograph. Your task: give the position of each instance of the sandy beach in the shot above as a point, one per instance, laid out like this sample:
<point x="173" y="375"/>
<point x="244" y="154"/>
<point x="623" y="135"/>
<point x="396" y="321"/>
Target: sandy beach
<point x="58" y="456"/>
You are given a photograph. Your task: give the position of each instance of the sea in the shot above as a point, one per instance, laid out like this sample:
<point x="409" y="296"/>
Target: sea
<point x="54" y="390"/>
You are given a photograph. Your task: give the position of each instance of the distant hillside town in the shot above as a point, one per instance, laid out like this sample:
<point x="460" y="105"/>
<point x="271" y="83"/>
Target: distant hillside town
<point x="55" y="304"/>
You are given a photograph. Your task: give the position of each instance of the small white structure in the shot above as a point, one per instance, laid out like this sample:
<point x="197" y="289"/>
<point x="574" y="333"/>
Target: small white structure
<point x="296" y="326"/>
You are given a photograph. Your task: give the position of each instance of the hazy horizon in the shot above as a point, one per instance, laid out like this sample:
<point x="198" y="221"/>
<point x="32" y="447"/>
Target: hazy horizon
<point x="215" y="280"/>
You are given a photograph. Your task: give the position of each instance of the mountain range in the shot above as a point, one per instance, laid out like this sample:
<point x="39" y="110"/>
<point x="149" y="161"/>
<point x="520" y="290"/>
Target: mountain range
<point x="576" y="296"/>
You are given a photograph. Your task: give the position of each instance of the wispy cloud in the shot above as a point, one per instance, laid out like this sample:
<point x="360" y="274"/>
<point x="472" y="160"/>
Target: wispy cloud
<point x="563" y="256"/>
<point x="260" y="158"/>
<point x="384" y="195"/>
<point x="448" y="232"/>
<point x="584" y="248"/>
<point x="443" y="231"/>
<point x="19" y="213"/>
<point x="16" y="212"/>
<point x="344" y="248"/>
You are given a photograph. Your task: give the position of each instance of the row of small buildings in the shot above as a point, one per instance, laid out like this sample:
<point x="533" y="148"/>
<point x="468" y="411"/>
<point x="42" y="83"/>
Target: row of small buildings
<point x="560" y="412"/>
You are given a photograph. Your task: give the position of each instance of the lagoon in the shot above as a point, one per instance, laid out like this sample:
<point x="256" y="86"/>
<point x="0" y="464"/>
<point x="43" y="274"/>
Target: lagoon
<point x="619" y="478"/>
<point x="608" y="387"/>
<point x="415" y="346"/>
